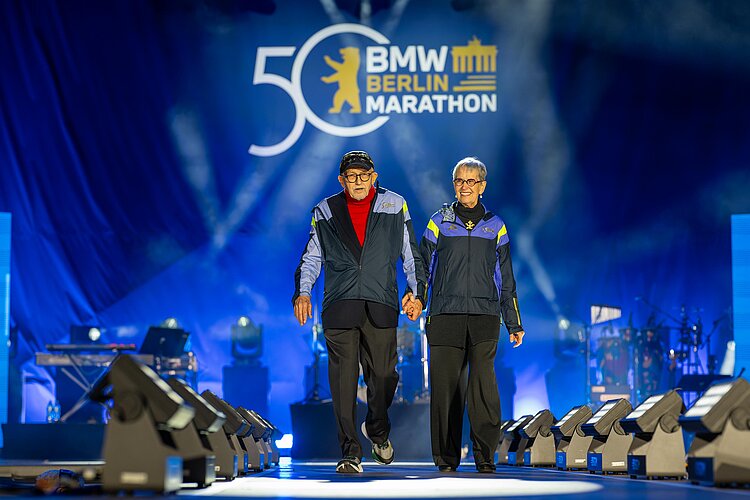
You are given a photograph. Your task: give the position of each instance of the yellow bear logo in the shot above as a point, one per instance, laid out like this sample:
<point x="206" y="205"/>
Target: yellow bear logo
<point x="346" y="76"/>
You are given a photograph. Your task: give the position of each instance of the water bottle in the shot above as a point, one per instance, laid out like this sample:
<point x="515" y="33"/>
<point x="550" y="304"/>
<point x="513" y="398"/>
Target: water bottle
<point x="56" y="410"/>
<point x="50" y="412"/>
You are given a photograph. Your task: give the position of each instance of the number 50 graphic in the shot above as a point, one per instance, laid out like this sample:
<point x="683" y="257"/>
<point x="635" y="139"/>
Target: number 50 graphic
<point x="293" y="88"/>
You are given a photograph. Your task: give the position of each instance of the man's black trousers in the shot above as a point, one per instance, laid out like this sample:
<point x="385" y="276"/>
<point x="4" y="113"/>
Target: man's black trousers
<point x="459" y="376"/>
<point x="375" y="348"/>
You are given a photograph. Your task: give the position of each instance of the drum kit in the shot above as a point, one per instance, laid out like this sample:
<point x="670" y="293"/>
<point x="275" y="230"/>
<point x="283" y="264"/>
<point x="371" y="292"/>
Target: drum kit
<point x="631" y="356"/>
<point x="667" y="346"/>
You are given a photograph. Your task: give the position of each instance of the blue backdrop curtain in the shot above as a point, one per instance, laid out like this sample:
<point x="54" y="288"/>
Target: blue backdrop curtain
<point x="616" y="154"/>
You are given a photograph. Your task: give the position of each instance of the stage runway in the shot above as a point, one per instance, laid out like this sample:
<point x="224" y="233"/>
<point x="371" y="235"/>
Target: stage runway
<point x="307" y="479"/>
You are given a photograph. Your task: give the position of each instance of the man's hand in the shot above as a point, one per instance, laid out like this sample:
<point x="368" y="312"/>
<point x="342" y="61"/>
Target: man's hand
<point x="412" y="306"/>
<point x="302" y="309"/>
<point x="517" y="338"/>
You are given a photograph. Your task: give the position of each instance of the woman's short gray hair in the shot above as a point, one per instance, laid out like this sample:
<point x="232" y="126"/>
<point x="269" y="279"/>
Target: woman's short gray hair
<point x="472" y="163"/>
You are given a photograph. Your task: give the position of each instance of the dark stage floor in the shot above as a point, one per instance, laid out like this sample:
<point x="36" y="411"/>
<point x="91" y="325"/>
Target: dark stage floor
<point x="421" y="480"/>
<point x="308" y="479"/>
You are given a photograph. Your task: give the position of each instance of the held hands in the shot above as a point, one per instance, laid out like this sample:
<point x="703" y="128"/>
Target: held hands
<point x="517" y="338"/>
<point x="412" y="306"/>
<point x="302" y="309"/>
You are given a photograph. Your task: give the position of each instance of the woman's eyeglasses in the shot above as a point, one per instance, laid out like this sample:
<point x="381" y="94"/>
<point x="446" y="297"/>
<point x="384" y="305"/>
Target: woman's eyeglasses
<point x="458" y="182"/>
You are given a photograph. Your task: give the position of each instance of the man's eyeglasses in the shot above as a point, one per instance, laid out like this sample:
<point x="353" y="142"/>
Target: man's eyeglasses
<point x="351" y="178"/>
<point x="458" y="182"/>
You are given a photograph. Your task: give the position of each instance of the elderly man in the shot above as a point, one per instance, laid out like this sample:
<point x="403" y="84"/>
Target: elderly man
<point x="359" y="235"/>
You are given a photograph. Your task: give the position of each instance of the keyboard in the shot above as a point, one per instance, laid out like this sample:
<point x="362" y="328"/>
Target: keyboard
<point x="90" y="347"/>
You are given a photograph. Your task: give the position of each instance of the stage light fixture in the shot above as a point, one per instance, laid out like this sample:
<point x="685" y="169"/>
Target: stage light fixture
<point x="517" y="441"/>
<point x="273" y="434"/>
<point x="235" y="427"/>
<point x="207" y="418"/>
<point x="573" y="445"/>
<point x="720" y="420"/>
<point x="140" y="450"/>
<point x="563" y="323"/>
<point x="170" y="323"/>
<point x="94" y="334"/>
<point x="247" y="341"/>
<point x="253" y="453"/>
<point x="210" y="423"/>
<point x="199" y="458"/>
<point x="505" y="441"/>
<point x="540" y="442"/>
<point x="607" y="417"/>
<point x="253" y="448"/>
<point x="658" y="448"/>
<point x="610" y="444"/>
<point x="261" y="435"/>
<point x="85" y="334"/>
<point x="661" y="410"/>
<point x="711" y="411"/>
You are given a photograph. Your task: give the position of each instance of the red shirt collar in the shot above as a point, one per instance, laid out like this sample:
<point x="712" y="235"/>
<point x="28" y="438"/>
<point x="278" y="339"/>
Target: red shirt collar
<point x="365" y="201"/>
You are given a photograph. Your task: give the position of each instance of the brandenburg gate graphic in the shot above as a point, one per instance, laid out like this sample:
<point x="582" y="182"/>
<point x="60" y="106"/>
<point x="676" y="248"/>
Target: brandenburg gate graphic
<point x="475" y="58"/>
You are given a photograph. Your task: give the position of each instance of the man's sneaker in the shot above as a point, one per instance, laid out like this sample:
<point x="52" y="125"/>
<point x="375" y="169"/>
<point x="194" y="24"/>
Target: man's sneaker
<point x="381" y="453"/>
<point x="486" y="468"/>
<point x="349" y="465"/>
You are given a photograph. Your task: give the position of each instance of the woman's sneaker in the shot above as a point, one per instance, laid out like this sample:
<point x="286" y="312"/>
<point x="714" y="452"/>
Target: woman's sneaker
<point x="349" y="465"/>
<point x="381" y="453"/>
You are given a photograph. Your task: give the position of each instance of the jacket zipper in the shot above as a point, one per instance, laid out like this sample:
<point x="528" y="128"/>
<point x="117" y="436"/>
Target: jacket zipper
<point x="367" y="232"/>
<point x="468" y="265"/>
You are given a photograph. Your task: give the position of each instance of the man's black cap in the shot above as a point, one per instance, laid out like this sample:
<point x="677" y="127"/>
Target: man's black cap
<point x="355" y="159"/>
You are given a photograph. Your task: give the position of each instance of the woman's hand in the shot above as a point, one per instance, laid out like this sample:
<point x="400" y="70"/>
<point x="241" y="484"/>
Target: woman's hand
<point x="517" y="338"/>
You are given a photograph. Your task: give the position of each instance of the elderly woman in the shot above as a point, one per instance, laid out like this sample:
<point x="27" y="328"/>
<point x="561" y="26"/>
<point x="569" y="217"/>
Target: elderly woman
<point x="466" y="253"/>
